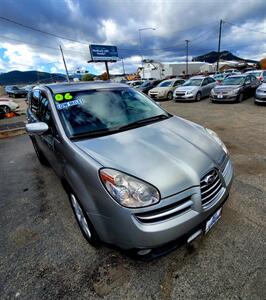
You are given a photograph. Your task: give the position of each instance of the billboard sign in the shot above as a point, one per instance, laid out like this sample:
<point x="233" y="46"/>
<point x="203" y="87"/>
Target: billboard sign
<point x="103" y="53"/>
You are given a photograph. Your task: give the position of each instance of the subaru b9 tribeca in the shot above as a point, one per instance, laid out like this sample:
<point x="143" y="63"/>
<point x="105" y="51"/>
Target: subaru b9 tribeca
<point x="137" y="176"/>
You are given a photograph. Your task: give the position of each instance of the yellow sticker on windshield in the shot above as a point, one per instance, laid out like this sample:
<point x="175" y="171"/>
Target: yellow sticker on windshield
<point x="61" y="97"/>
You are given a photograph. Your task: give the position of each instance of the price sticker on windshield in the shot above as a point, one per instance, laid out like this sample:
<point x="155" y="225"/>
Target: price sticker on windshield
<point x="62" y="97"/>
<point x="68" y="104"/>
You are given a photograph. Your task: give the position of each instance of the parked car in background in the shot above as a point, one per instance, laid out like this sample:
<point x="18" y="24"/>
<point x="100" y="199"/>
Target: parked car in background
<point x="7" y="105"/>
<point x="28" y="87"/>
<point x="260" y="94"/>
<point x="195" y="88"/>
<point x="165" y="89"/>
<point x="235" y="88"/>
<point x="260" y="74"/>
<point x="148" y="85"/>
<point x="136" y="176"/>
<point x="14" y="91"/>
<point x="135" y="83"/>
<point x="232" y="71"/>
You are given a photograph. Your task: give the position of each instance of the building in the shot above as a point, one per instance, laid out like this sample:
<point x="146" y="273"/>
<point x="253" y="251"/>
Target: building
<point x="161" y="70"/>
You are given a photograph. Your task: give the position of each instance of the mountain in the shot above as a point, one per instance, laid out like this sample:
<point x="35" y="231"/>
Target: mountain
<point x="29" y="77"/>
<point x="211" y="57"/>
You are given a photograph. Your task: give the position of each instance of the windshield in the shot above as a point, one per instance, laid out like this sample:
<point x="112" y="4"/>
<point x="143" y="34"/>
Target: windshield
<point x="145" y="84"/>
<point x="88" y="112"/>
<point x="165" y="83"/>
<point x="218" y="77"/>
<point x="257" y="74"/>
<point x="193" y="82"/>
<point x="234" y="80"/>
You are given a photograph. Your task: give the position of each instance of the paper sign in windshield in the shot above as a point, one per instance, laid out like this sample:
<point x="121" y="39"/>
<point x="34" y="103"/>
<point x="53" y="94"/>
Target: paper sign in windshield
<point x="68" y="104"/>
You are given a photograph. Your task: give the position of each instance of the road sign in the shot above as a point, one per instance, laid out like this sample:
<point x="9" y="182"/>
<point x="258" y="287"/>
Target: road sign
<point x="103" y="53"/>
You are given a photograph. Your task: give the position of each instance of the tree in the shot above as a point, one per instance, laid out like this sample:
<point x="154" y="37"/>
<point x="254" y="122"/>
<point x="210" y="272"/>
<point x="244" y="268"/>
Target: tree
<point x="87" y="77"/>
<point x="104" y="76"/>
<point x="262" y="64"/>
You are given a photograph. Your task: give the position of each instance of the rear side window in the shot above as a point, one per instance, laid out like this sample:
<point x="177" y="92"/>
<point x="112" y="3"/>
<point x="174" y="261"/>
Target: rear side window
<point x="34" y="103"/>
<point x="211" y="80"/>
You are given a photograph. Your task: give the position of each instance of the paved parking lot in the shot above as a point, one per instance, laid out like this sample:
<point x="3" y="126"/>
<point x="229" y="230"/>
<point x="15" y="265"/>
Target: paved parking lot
<point x="44" y="256"/>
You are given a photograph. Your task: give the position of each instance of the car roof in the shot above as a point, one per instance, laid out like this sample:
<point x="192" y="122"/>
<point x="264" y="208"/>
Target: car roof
<point x="198" y="77"/>
<point x="238" y="75"/>
<point x="82" y="86"/>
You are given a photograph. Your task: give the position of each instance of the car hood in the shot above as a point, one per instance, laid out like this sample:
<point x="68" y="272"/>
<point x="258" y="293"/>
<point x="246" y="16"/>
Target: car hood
<point x="172" y="154"/>
<point x="187" y="88"/>
<point x="226" y="88"/>
<point x="161" y="89"/>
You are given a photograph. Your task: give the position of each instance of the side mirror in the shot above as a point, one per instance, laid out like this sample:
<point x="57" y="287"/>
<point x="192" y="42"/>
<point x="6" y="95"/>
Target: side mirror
<point x="37" y="128"/>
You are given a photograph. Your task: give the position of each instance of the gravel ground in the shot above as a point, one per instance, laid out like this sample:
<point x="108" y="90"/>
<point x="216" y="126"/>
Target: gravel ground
<point x="44" y="256"/>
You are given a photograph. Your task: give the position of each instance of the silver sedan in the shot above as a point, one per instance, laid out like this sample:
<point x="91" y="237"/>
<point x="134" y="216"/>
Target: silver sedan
<point x="195" y="88"/>
<point x="137" y="176"/>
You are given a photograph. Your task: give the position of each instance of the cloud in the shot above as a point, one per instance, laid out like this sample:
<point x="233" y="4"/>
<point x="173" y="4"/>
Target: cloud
<point x="117" y="22"/>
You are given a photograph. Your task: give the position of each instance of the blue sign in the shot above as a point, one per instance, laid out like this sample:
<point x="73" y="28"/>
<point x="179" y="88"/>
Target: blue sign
<point x="103" y="53"/>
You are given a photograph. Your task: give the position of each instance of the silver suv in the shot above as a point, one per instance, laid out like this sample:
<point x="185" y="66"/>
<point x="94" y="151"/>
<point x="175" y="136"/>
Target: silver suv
<point x="195" y="88"/>
<point x="137" y="177"/>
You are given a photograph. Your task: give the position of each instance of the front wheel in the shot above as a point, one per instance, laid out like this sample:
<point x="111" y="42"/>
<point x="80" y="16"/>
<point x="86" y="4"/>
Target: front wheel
<point x="240" y="98"/>
<point x="169" y="96"/>
<point x="40" y="155"/>
<point x="84" y="223"/>
<point x="6" y="109"/>
<point x="198" y="96"/>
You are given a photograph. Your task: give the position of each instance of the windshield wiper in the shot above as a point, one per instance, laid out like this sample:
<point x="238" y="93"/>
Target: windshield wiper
<point x="145" y="121"/>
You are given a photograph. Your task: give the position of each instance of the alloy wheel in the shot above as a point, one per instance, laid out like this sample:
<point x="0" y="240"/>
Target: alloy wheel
<point x="80" y="216"/>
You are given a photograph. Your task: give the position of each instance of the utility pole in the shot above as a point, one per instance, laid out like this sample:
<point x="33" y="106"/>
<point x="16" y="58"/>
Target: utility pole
<point x="219" y="46"/>
<point x="140" y="45"/>
<point x="64" y="64"/>
<point x="107" y="70"/>
<point x="123" y="66"/>
<point x="187" y="41"/>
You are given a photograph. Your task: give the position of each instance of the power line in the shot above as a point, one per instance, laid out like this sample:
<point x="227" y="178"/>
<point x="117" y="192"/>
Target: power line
<point x="245" y="28"/>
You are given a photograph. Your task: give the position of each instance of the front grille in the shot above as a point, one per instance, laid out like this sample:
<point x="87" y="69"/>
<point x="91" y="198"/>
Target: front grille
<point x="210" y="187"/>
<point x="166" y="212"/>
<point x="180" y="94"/>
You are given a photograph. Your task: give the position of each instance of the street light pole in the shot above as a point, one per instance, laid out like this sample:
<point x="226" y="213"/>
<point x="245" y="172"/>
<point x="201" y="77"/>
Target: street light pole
<point x="140" y="45"/>
<point x="187" y="41"/>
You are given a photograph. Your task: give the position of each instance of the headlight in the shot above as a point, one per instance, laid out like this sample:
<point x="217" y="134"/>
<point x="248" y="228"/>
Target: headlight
<point x="128" y="190"/>
<point x="233" y="92"/>
<point x="190" y="92"/>
<point x="217" y="139"/>
<point x="260" y="90"/>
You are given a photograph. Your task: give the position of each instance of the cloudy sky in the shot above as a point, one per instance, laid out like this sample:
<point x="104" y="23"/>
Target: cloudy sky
<point x="116" y="22"/>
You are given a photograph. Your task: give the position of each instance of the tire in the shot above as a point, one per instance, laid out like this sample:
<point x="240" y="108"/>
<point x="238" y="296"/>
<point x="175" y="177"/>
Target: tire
<point x="170" y="96"/>
<point x="6" y="109"/>
<point x="83" y="221"/>
<point x="198" y="96"/>
<point x="40" y="155"/>
<point x="240" y="98"/>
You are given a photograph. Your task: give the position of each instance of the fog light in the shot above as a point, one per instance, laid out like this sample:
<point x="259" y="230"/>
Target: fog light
<point x="144" y="252"/>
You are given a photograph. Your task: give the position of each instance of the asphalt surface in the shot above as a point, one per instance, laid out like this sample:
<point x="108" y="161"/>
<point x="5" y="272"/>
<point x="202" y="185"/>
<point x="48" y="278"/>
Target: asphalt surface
<point x="44" y="256"/>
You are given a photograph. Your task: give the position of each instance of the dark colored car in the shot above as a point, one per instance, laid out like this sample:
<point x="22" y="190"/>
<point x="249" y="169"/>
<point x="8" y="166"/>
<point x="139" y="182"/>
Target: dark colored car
<point x="148" y="85"/>
<point x="235" y="88"/>
<point x="14" y="91"/>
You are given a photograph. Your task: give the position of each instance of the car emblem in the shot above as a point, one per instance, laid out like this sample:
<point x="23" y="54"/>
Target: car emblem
<point x="210" y="178"/>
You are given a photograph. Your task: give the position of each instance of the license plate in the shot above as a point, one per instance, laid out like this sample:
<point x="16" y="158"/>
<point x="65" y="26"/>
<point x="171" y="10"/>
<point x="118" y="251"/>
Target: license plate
<point x="213" y="220"/>
<point x="220" y="96"/>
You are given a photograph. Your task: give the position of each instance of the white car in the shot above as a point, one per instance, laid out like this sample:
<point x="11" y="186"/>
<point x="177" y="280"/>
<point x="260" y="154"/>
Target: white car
<point x="7" y="105"/>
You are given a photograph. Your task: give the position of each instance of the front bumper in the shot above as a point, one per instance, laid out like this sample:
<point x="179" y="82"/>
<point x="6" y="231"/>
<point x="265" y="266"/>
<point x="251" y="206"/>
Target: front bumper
<point x="157" y="96"/>
<point x="260" y="97"/>
<point x="223" y="98"/>
<point x="184" y="97"/>
<point x="139" y="229"/>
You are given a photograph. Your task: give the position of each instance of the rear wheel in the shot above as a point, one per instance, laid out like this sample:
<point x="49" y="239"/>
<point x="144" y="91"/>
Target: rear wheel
<point x="84" y="223"/>
<point x="169" y="96"/>
<point x="198" y="96"/>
